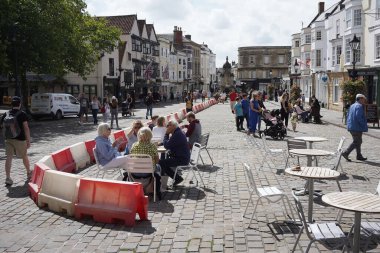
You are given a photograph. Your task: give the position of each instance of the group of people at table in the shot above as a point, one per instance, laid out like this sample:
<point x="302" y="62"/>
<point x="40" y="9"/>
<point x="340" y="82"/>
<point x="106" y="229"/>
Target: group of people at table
<point x="177" y="140"/>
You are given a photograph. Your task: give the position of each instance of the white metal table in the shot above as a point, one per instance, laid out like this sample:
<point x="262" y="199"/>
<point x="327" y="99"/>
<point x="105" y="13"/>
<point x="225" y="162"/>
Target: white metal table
<point x="357" y="202"/>
<point x="310" y="139"/>
<point x="309" y="153"/>
<point x="311" y="173"/>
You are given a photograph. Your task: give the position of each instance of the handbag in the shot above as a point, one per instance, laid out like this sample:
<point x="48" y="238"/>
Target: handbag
<point x="103" y="109"/>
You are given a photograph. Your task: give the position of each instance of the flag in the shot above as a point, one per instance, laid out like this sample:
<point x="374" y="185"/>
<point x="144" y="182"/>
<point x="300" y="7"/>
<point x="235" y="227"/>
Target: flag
<point x="148" y="71"/>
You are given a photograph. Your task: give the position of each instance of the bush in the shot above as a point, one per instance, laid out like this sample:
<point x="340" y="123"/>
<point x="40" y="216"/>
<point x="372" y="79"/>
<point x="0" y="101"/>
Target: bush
<point x="350" y="89"/>
<point x="295" y="93"/>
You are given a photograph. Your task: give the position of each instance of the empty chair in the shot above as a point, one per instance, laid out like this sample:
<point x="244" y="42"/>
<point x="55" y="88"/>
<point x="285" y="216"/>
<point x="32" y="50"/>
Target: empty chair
<point x="193" y="164"/>
<point x="271" y="194"/>
<point x="337" y="156"/>
<point x="138" y="163"/>
<point x="103" y="170"/>
<point x="294" y="144"/>
<point x="271" y="152"/>
<point x="80" y="155"/>
<point x="320" y="232"/>
<point x="204" y="143"/>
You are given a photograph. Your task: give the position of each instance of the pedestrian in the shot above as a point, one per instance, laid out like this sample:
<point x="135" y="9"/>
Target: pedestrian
<point x="149" y="105"/>
<point x="276" y="95"/>
<point x="284" y="108"/>
<point x="233" y="95"/>
<point x="114" y="106"/>
<point x="356" y="125"/>
<point x="260" y="97"/>
<point x="153" y="123"/>
<point x="239" y="116"/>
<point x="95" y="105"/>
<point x="84" y="104"/>
<point x="253" y="113"/>
<point x="189" y="102"/>
<point x="294" y="120"/>
<point x="315" y="110"/>
<point x="131" y="104"/>
<point x="178" y="96"/>
<point x="17" y="138"/>
<point x="245" y="106"/>
<point x="106" y="111"/>
<point x="303" y="99"/>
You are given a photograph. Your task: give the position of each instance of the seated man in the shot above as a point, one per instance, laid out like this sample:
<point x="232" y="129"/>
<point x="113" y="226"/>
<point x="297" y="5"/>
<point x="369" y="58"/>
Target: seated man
<point x="107" y="152"/>
<point x="194" y="129"/>
<point x="304" y="114"/>
<point x="132" y="135"/>
<point x="175" y="141"/>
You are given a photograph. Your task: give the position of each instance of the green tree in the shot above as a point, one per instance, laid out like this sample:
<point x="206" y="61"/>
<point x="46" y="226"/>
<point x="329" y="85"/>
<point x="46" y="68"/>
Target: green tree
<point x="350" y="89"/>
<point x="295" y="93"/>
<point x="51" y="37"/>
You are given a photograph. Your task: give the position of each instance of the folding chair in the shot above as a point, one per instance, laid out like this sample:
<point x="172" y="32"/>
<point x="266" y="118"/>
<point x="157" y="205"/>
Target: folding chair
<point x="271" y="194"/>
<point x="337" y="156"/>
<point x="320" y="232"/>
<point x="102" y="169"/>
<point x="139" y="163"/>
<point x="193" y="164"/>
<point x="270" y="151"/>
<point x="204" y="142"/>
<point x="294" y="144"/>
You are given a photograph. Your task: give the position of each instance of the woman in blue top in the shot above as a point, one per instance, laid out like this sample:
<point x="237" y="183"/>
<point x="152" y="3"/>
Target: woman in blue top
<point x="253" y="113"/>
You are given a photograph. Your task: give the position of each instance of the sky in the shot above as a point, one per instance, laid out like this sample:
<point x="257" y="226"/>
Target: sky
<point x="223" y="25"/>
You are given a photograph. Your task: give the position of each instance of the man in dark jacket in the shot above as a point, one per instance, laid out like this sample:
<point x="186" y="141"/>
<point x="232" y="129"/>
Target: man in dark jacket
<point x="149" y="105"/>
<point x="175" y="141"/>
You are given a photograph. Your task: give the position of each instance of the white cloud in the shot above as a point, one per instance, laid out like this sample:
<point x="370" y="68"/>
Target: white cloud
<point x="223" y="25"/>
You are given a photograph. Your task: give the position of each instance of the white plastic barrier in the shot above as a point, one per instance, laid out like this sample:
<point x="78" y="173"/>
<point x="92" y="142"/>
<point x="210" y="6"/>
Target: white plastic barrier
<point x="48" y="161"/>
<point x="59" y="191"/>
<point x="80" y="155"/>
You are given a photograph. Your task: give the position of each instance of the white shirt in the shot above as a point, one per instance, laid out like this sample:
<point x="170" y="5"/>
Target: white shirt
<point x="159" y="132"/>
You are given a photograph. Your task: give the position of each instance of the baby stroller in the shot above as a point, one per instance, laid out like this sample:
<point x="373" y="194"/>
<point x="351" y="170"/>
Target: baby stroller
<point x="274" y="127"/>
<point x="125" y="109"/>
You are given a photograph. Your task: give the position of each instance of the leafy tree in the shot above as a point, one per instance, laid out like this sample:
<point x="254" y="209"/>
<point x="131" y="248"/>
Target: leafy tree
<point x="295" y="93"/>
<point x="51" y="37"/>
<point x="350" y="89"/>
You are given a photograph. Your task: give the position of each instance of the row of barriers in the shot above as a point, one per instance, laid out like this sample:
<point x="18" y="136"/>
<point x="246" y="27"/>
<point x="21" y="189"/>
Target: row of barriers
<point x="55" y="185"/>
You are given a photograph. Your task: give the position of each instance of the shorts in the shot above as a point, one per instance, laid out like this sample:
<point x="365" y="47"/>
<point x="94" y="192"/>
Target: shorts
<point x="82" y="111"/>
<point x="14" y="146"/>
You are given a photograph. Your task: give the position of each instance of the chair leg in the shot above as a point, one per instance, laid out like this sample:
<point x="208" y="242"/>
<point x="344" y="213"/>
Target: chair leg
<point x="201" y="159"/>
<point x="249" y="201"/>
<point x="340" y="188"/>
<point x="254" y="211"/>
<point x="298" y="238"/>
<point x="308" y="246"/>
<point x="175" y="174"/>
<point x="154" y="189"/>
<point x="287" y="160"/>
<point x="290" y="207"/>
<point x="339" y="216"/>
<point x="262" y="162"/>
<point x="199" y="174"/>
<point x="212" y="162"/>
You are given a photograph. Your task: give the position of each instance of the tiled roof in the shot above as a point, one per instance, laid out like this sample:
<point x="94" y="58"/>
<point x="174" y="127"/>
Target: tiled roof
<point x="124" y="23"/>
<point x="141" y="24"/>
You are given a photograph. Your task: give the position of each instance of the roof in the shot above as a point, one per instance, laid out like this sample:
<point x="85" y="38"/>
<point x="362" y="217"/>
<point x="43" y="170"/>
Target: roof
<point x="141" y="24"/>
<point x="150" y="29"/>
<point x="322" y="16"/>
<point x="124" y="22"/>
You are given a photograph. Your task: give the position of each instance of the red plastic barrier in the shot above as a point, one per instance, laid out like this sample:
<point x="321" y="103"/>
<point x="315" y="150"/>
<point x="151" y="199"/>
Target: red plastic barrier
<point x="36" y="181"/>
<point x="90" y="145"/>
<point x="108" y="201"/>
<point x="64" y="161"/>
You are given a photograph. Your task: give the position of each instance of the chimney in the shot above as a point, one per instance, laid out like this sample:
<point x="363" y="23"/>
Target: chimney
<point x="188" y="36"/>
<point x="321" y="7"/>
<point x="178" y="41"/>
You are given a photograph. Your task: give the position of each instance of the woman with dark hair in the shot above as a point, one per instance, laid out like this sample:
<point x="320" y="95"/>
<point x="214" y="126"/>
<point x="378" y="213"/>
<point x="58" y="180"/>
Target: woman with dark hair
<point x="315" y="110"/>
<point x="284" y="101"/>
<point x="253" y="113"/>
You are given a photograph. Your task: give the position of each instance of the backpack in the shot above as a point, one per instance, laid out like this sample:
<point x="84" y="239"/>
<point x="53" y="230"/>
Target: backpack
<point x="11" y="128"/>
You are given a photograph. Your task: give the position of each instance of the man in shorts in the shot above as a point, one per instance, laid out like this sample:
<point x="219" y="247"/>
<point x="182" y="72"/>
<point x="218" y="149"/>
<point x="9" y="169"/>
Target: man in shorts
<point x="18" y="143"/>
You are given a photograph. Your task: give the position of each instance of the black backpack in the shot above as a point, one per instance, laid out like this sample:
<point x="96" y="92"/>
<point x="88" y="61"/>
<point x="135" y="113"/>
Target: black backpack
<point x="11" y="128"/>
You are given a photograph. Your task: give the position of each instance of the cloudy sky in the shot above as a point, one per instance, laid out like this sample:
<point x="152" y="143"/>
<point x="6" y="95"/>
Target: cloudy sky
<point x="222" y="25"/>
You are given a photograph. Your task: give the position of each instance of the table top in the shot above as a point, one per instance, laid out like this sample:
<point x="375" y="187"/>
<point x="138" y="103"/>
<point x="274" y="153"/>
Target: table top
<point x="314" y="172"/>
<point x="310" y="138"/>
<point x="353" y="201"/>
<point x="312" y="152"/>
<point x="161" y="149"/>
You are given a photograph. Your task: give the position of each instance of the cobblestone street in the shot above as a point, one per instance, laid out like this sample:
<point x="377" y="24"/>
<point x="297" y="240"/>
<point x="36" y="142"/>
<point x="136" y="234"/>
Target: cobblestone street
<point x="189" y="218"/>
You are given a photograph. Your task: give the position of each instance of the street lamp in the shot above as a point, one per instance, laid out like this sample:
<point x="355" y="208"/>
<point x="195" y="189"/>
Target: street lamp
<point x="354" y="44"/>
<point x="296" y="68"/>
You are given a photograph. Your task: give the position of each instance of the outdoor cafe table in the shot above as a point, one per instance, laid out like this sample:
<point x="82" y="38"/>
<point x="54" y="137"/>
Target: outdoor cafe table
<point x="311" y="173"/>
<point x="309" y="153"/>
<point x="310" y="139"/>
<point x="358" y="202"/>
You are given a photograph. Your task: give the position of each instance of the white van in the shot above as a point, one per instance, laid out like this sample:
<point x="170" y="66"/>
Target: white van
<point x="55" y="105"/>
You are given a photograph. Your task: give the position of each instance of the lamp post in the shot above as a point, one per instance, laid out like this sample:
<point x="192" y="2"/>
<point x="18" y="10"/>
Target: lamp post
<point x="296" y="68"/>
<point x="354" y="44"/>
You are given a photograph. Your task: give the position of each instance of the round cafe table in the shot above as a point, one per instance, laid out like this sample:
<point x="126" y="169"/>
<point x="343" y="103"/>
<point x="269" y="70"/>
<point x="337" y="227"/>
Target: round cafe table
<point x="357" y="202"/>
<point x="310" y="153"/>
<point x="310" y="139"/>
<point x="311" y="173"/>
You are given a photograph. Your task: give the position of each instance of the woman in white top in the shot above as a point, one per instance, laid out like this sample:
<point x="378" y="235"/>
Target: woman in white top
<point x="159" y="130"/>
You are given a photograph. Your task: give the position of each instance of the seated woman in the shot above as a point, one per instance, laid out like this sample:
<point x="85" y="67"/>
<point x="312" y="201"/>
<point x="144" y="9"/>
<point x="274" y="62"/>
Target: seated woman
<point x="159" y="130"/>
<point x="132" y="135"/>
<point x="143" y="146"/>
<point x="304" y="114"/>
<point x="107" y="152"/>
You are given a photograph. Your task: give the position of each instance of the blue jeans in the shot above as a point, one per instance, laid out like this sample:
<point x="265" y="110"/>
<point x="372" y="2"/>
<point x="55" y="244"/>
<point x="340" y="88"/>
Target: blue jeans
<point x="95" y="115"/>
<point x="149" y="110"/>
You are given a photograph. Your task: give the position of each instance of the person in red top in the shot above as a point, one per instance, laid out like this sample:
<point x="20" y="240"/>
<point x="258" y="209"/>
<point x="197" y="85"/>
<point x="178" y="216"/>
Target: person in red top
<point x="233" y="96"/>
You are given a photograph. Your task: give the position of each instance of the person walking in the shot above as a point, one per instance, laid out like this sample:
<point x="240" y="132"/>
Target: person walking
<point x="95" y="105"/>
<point x="284" y="108"/>
<point x="233" y="95"/>
<point x="131" y="104"/>
<point x="106" y="111"/>
<point x="356" y="125"/>
<point x="149" y="105"/>
<point x="253" y="113"/>
<point x="189" y="103"/>
<point x="239" y="116"/>
<point x="114" y="111"/>
<point x="261" y="99"/>
<point x="84" y="104"/>
<point x="17" y="138"/>
<point x="245" y="106"/>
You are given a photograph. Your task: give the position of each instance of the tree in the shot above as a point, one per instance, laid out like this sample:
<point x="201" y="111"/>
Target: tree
<point x="51" y="37"/>
<point x="350" y="89"/>
<point x="295" y="93"/>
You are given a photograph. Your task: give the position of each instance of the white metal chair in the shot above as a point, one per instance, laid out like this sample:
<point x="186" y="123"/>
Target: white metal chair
<point x="193" y="164"/>
<point x="105" y="170"/>
<point x="320" y="232"/>
<point x="337" y="156"/>
<point x="139" y="163"/>
<point x="204" y="142"/>
<point x="273" y="152"/>
<point x="270" y="193"/>
<point x="294" y="144"/>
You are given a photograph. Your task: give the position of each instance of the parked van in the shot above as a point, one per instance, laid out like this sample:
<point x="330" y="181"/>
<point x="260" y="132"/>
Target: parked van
<point x="55" y="105"/>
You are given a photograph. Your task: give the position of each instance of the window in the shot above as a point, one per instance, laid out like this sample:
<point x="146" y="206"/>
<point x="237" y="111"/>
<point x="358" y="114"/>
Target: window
<point x="111" y="67"/>
<point x="266" y="59"/>
<point x="162" y="52"/>
<point x="377" y="9"/>
<point x="338" y="54"/>
<point x="138" y="45"/>
<point x="377" y="46"/>
<point x="308" y="38"/>
<point x="297" y="43"/>
<point x="348" y="19"/>
<point x="252" y="60"/>
<point x="357" y="17"/>
<point x="357" y="53"/>
<point x="336" y="91"/>
<point x="179" y="61"/>
<point x="129" y="57"/>
<point x="318" y="60"/>
<point x="307" y="59"/>
<point x="348" y="51"/>
<point x="318" y="35"/>
<point x="281" y="59"/>
<point x="337" y="27"/>
<point x="179" y="74"/>
<point x="333" y="57"/>
<point x="134" y="44"/>
<point x="253" y="74"/>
